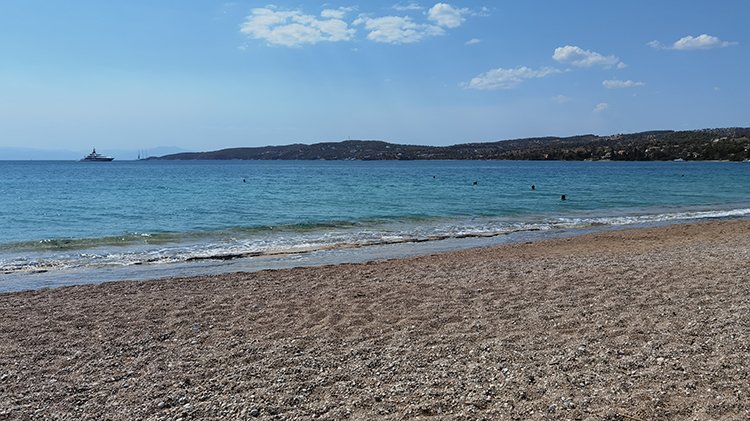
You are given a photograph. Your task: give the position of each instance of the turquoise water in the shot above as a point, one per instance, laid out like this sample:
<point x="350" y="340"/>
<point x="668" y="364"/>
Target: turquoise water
<point x="79" y="220"/>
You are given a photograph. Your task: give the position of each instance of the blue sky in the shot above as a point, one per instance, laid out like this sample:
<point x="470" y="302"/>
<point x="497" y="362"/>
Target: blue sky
<point x="205" y="75"/>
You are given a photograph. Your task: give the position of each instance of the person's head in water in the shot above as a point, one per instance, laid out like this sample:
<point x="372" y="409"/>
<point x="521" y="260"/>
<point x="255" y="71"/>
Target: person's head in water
<point x="533" y="187"/>
<point x="563" y="197"/>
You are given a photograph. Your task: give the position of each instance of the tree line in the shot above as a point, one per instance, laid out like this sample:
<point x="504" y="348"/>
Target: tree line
<point x="729" y="144"/>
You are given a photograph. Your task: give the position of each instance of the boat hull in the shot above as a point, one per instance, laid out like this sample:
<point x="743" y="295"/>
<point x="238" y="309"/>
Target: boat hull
<point x="97" y="159"/>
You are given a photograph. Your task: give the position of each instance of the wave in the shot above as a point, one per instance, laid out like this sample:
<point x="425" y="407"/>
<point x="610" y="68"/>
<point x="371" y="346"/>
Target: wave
<point x="655" y="218"/>
<point x="137" y="238"/>
<point x="298" y="239"/>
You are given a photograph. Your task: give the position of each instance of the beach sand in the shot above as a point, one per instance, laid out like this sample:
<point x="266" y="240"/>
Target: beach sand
<point x="643" y="324"/>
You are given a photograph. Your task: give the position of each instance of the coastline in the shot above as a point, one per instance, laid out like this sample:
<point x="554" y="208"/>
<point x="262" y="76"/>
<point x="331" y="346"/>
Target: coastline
<point x="646" y="323"/>
<point x="95" y="266"/>
<point x="177" y="219"/>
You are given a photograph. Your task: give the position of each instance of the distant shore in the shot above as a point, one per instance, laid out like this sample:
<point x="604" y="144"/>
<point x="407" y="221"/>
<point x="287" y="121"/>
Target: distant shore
<point x="720" y="144"/>
<point x="636" y="324"/>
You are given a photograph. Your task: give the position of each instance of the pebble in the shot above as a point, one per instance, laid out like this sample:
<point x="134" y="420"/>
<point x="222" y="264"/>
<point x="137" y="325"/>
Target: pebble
<point x="410" y="370"/>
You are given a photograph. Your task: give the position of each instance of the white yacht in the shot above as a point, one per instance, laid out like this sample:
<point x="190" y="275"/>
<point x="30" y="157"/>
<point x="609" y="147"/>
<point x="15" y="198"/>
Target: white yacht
<point x="93" y="156"/>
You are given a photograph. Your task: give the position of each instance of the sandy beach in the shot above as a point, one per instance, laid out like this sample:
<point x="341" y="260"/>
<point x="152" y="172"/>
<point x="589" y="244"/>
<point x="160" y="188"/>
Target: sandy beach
<point x="643" y="324"/>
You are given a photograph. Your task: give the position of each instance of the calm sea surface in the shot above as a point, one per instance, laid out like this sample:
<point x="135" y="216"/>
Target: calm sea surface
<point x="76" y="222"/>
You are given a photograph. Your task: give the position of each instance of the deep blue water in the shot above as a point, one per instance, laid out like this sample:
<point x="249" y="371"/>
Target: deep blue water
<point x="61" y="218"/>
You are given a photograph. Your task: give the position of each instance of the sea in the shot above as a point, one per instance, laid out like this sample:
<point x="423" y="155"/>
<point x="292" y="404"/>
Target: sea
<point x="65" y="222"/>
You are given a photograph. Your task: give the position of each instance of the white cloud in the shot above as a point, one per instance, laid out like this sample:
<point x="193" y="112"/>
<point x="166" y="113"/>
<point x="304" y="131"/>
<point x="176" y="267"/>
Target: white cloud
<point x="561" y="99"/>
<point x="507" y="78"/>
<point x="473" y="41"/>
<point x="397" y="29"/>
<point x="291" y="28"/>
<point x="446" y="15"/>
<point x="578" y="57"/>
<point x="620" y="84"/>
<point x="701" y="42"/>
<point x="484" y="12"/>
<point x="406" y="7"/>
<point x="600" y="107"/>
<point x="335" y="13"/>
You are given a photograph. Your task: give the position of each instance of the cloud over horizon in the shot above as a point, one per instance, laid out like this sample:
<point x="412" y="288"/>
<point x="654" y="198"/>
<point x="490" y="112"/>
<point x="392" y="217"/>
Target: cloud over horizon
<point x="446" y="15"/>
<point x="407" y="7"/>
<point x="689" y="42"/>
<point x="397" y="29"/>
<point x="507" y="78"/>
<point x="621" y="84"/>
<point x="601" y="107"/>
<point x="578" y="57"/>
<point x="292" y="28"/>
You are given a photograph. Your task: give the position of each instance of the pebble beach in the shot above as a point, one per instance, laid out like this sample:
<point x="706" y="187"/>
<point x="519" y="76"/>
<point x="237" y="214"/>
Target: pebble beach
<point x="639" y="324"/>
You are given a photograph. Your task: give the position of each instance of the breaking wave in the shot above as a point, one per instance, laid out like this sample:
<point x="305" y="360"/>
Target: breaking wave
<point x="295" y="239"/>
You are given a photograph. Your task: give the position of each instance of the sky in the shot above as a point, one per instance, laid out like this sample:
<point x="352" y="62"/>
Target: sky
<point x="206" y="75"/>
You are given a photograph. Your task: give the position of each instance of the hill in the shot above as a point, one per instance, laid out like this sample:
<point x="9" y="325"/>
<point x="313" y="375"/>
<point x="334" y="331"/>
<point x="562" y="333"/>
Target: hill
<point x="732" y="144"/>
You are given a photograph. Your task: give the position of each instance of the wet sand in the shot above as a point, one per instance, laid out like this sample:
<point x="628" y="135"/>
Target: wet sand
<point x="647" y="324"/>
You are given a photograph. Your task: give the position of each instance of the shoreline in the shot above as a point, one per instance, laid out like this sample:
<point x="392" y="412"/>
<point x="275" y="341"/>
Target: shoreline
<point x="647" y="323"/>
<point x="233" y="260"/>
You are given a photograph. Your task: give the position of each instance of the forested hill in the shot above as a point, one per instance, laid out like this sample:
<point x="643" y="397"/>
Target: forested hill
<point x="731" y="144"/>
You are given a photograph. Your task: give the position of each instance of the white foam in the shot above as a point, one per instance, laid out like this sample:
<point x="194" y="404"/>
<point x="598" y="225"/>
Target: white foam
<point x="274" y="244"/>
